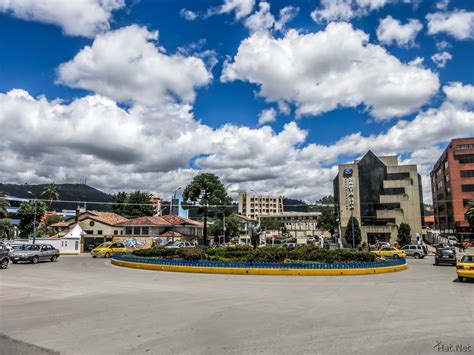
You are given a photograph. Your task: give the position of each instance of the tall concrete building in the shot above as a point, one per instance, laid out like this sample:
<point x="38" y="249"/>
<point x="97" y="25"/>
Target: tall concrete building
<point x="452" y="186"/>
<point x="255" y="206"/>
<point x="380" y="194"/>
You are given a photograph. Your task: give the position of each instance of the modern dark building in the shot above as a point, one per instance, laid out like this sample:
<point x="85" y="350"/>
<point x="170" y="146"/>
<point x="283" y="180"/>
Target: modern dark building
<point x="380" y="194"/>
<point x="452" y="186"/>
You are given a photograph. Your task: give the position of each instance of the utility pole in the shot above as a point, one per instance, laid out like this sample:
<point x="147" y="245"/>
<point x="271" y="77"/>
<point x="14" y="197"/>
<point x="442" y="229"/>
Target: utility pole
<point x="34" y="219"/>
<point x="172" y="213"/>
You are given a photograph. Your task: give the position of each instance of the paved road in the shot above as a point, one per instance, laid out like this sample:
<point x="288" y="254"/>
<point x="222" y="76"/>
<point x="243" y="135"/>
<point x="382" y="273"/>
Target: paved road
<point x="81" y="305"/>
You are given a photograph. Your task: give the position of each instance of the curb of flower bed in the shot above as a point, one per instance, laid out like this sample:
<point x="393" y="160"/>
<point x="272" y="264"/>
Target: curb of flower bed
<point x="260" y="268"/>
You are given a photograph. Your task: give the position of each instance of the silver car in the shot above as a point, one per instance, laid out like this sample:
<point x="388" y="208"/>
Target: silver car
<point x="35" y="253"/>
<point x="417" y="251"/>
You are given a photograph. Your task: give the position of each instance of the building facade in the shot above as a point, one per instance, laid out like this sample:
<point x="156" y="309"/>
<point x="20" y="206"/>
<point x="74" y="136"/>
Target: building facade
<point x="380" y="194"/>
<point x="299" y="225"/>
<point x="452" y="186"/>
<point x="254" y="206"/>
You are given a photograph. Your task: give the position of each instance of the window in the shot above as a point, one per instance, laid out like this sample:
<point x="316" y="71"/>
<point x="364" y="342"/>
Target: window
<point x="447" y="178"/>
<point x="440" y="184"/>
<point x="99" y="232"/>
<point x="115" y="232"/>
<point x="120" y="245"/>
<point x="89" y="231"/>
<point x="145" y="230"/>
<point x="92" y="223"/>
<point x="128" y="230"/>
<point x="397" y="176"/>
<point x="465" y="146"/>
<point x="466" y="159"/>
<point x="76" y="245"/>
<point x="446" y="165"/>
<point x="136" y="230"/>
<point x="467" y="173"/>
<point x="467" y="188"/>
<point x="393" y="191"/>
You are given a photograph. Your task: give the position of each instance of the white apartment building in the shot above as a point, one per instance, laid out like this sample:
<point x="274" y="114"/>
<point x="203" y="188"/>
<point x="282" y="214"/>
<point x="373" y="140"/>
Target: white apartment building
<point x="254" y="206"/>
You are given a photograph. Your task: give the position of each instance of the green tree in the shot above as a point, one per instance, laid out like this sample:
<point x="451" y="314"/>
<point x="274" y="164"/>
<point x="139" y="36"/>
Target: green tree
<point x="204" y="190"/>
<point x="404" y="234"/>
<point x="327" y="220"/>
<point x="26" y="212"/>
<point x="138" y="205"/>
<point x="7" y="230"/>
<point x="51" y="191"/>
<point x="470" y="213"/>
<point x="232" y="228"/>
<point x="4" y="204"/>
<point x="270" y="224"/>
<point x="357" y="235"/>
<point x="119" y="201"/>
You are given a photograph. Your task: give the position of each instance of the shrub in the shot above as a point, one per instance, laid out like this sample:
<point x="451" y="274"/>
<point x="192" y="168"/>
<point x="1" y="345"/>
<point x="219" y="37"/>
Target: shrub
<point x="268" y="254"/>
<point x="156" y="252"/>
<point x="192" y="254"/>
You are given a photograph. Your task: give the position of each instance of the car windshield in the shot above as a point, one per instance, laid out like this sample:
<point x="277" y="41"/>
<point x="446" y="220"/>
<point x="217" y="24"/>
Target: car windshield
<point x="445" y="251"/>
<point x="467" y="259"/>
<point x="105" y="245"/>
<point x="31" y="247"/>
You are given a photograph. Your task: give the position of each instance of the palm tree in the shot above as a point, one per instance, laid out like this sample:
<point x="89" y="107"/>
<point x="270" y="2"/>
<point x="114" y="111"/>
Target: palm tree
<point x="51" y="191"/>
<point x="3" y="205"/>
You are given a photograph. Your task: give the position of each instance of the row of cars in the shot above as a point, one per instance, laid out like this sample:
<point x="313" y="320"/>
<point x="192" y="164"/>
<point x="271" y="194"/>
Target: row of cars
<point x="33" y="253"/>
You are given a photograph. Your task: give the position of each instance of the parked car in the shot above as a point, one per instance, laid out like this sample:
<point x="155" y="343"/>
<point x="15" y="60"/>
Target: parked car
<point x="4" y="256"/>
<point x="35" y="253"/>
<point x="390" y="252"/>
<point x="179" y="244"/>
<point x="452" y="241"/>
<point x="108" y="249"/>
<point x="417" y="251"/>
<point x="465" y="267"/>
<point x="445" y="256"/>
<point x="289" y="245"/>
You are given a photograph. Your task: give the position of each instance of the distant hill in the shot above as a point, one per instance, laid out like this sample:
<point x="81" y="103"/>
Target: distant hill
<point x="67" y="192"/>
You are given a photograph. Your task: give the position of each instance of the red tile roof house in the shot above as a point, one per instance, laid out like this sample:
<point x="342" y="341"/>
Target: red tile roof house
<point x="99" y="227"/>
<point x="145" y="232"/>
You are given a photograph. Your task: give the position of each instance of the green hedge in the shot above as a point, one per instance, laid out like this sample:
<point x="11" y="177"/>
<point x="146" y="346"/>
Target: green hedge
<point x="265" y="254"/>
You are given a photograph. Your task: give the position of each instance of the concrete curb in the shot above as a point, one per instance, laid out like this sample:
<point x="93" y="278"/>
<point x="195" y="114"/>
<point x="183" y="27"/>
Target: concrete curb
<point x="258" y="271"/>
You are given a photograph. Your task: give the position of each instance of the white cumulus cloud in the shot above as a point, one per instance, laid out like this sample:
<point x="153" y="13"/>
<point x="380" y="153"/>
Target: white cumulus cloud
<point x="126" y="65"/>
<point x="76" y="17"/>
<point x="391" y="31"/>
<point x="458" y="93"/>
<point x="458" y="24"/>
<point x="267" y="116"/>
<point x="336" y="67"/>
<point x="440" y="59"/>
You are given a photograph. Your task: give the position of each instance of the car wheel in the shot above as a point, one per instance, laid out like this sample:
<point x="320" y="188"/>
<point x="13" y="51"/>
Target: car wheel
<point x="35" y="260"/>
<point x="14" y="261"/>
<point x="94" y="256"/>
<point x="396" y="256"/>
<point x="460" y="278"/>
<point x="416" y="256"/>
<point x="107" y="255"/>
<point x="54" y="258"/>
<point x="4" y="264"/>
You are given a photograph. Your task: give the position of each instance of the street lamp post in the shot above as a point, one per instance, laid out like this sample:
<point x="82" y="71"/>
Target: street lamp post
<point x="172" y="213"/>
<point x="34" y="219"/>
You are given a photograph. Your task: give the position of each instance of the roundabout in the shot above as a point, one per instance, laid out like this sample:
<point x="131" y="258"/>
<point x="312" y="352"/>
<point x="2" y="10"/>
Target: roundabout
<point x="260" y="268"/>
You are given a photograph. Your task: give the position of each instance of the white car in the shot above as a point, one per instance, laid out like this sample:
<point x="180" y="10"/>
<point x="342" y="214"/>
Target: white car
<point x="178" y="244"/>
<point x="452" y="240"/>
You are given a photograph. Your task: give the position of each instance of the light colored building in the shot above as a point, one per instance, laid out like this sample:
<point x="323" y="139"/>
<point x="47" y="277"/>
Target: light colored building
<point x="299" y="225"/>
<point x="246" y="224"/>
<point x="99" y="227"/>
<point x="254" y="206"/>
<point x="146" y="232"/>
<point x="380" y="194"/>
<point x="157" y="202"/>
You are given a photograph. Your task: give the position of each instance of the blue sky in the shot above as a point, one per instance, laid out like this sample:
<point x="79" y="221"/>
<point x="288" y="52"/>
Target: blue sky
<point x="205" y="116"/>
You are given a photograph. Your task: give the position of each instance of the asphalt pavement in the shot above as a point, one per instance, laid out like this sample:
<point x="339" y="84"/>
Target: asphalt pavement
<point x="81" y="305"/>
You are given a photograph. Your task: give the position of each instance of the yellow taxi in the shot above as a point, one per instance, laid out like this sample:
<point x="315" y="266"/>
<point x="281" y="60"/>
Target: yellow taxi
<point x="390" y="252"/>
<point x="465" y="267"/>
<point x="108" y="249"/>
